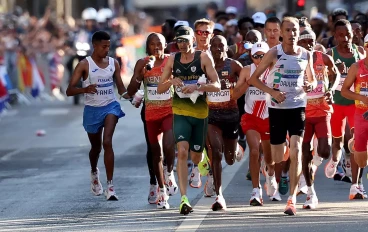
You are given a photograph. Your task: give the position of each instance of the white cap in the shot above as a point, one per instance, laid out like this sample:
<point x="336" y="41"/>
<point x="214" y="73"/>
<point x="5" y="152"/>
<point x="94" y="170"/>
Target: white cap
<point x="101" y="18"/>
<point x="231" y="10"/>
<point x="89" y="14"/>
<point x="259" y="17"/>
<point x="366" y="39"/>
<point x="218" y="27"/>
<point x="181" y="23"/>
<point x="232" y="22"/>
<point x="260" y="47"/>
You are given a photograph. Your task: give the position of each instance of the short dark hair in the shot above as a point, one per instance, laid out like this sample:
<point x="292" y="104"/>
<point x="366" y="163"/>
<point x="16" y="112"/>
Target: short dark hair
<point x="273" y="20"/>
<point x="341" y="23"/>
<point x="338" y="12"/>
<point x="100" y="35"/>
<point x="244" y="20"/>
<point x="355" y="21"/>
<point x="171" y="22"/>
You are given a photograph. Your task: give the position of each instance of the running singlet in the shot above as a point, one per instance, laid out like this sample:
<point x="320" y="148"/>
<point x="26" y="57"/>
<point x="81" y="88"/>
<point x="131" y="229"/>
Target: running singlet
<point x="255" y="99"/>
<point x="189" y="74"/>
<point x="157" y="105"/>
<point x="103" y="78"/>
<point x="222" y="106"/>
<point x="287" y="75"/>
<point x="361" y="87"/>
<point x="317" y="105"/>
<point x="338" y="99"/>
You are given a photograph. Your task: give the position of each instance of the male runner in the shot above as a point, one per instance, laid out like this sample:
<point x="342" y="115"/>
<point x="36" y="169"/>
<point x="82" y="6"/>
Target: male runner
<point x="190" y="109"/>
<point x="222" y="136"/>
<point x="358" y="75"/>
<point x="344" y="55"/>
<point x="158" y="115"/>
<point x="102" y="110"/>
<point x="272" y="31"/>
<point x="286" y="98"/>
<point x="255" y="125"/>
<point x="318" y="113"/>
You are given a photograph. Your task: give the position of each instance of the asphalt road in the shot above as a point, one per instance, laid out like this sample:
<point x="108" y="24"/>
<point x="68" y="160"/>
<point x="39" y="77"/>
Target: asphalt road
<point x="45" y="184"/>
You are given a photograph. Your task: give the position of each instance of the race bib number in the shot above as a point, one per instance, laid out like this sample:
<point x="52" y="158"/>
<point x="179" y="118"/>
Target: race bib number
<point x="342" y="79"/>
<point x="222" y="96"/>
<point x="152" y="94"/>
<point x="256" y="94"/>
<point x="180" y="93"/>
<point x="318" y="92"/>
<point x="104" y="92"/>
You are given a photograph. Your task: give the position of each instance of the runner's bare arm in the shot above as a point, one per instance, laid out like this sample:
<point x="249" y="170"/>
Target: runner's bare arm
<point x="349" y="81"/>
<point x="119" y="81"/>
<point x="362" y="52"/>
<point x="242" y="86"/>
<point x="333" y="72"/>
<point x="310" y="71"/>
<point x="209" y="68"/>
<point x="267" y="61"/>
<point x="166" y="77"/>
<point x="137" y="78"/>
<point x="80" y="71"/>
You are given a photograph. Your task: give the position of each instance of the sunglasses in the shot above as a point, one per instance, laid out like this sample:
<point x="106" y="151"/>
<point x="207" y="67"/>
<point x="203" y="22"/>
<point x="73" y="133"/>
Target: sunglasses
<point x="205" y="33"/>
<point x="182" y="41"/>
<point x="258" y="56"/>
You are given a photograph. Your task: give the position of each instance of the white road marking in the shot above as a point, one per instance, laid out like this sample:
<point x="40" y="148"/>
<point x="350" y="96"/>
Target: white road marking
<point x="9" y="155"/>
<point x="203" y="206"/>
<point x="54" y="111"/>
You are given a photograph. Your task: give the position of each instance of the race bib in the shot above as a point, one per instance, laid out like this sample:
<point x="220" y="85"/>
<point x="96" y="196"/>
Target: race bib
<point x="342" y="79"/>
<point x="180" y="93"/>
<point x="364" y="93"/>
<point x="104" y="92"/>
<point x="318" y="92"/>
<point x="152" y="94"/>
<point x="222" y="96"/>
<point x="255" y="94"/>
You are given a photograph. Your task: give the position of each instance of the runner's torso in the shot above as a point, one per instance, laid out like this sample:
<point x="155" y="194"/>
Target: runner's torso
<point x="361" y="87"/>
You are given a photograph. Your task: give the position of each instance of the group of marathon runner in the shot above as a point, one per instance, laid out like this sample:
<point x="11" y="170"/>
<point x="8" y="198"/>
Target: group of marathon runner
<point x="295" y="104"/>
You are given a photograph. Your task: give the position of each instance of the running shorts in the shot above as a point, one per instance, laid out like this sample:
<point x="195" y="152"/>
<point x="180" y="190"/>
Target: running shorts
<point x="192" y="130"/>
<point x="320" y="126"/>
<point x="155" y="128"/>
<point x="230" y="130"/>
<point x="251" y="122"/>
<point x="94" y="116"/>
<point x="360" y="133"/>
<point x="338" y="121"/>
<point x="284" y="121"/>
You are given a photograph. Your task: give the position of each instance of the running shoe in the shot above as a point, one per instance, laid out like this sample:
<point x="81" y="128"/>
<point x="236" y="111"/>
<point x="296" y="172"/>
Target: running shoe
<point x="185" y="207"/>
<point x="356" y="192"/>
<point x="347" y="165"/>
<point x="195" y="178"/>
<point x="96" y="186"/>
<point x="256" y="198"/>
<point x="363" y="190"/>
<point x="153" y="194"/>
<point x="276" y="196"/>
<point x="110" y="193"/>
<point x="204" y="166"/>
<point x="271" y="184"/>
<point x="302" y="186"/>
<point x="290" y="208"/>
<point x="209" y="187"/>
<point x="311" y="202"/>
<point x="163" y="199"/>
<point x="170" y="184"/>
<point x="284" y="185"/>
<point x="219" y="203"/>
<point x="317" y="160"/>
<point x="239" y="154"/>
<point x="330" y="168"/>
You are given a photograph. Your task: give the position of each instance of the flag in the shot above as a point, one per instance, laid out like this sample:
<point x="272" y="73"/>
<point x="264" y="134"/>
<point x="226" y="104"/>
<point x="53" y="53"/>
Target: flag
<point x="37" y="83"/>
<point x="5" y="78"/>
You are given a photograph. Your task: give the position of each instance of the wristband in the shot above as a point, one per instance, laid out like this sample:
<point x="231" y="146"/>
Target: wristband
<point x="123" y="94"/>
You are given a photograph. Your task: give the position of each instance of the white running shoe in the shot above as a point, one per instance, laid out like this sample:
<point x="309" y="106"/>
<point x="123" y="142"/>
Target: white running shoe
<point x="317" y="160"/>
<point x="195" y="178"/>
<point x="356" y="192"/>
<point x="163" y="199"/>
<point x="219" y="203"/>
<point x="347" y="165"/>
<point x="330" y="168"/>
<point x="256" y="198"/>
<point x="209" y="187"/>
<point x="363" y="190"/>
<point x="271" y="184"/>
<point x="276" y="197"/>
<point x="302" y="185"/>
<point x="110" y="193"/>
<point x="311" y="202"/>
<point x="96" y="186"/>
<point x="239" y="153"/>
<point x="153" y="194"/>
<point x="170" y="184"/>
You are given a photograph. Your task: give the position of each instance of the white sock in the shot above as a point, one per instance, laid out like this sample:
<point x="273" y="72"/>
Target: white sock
<point x="311" y="190"/>
<point x="292" y="198"/>
<point x="284" y="174"/>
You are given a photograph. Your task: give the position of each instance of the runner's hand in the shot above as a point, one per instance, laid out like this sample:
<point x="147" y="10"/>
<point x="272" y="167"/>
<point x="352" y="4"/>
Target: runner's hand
<point x="278" y="96"/>
<point x="341" y="67"/>
<point x="189" y="88"/>
<point x="308" y="87"/>
<point x="91" y="89"/>
<point x="329" y="97"/>
<point x="177" y="82"/>
<point x="364" y="99"/>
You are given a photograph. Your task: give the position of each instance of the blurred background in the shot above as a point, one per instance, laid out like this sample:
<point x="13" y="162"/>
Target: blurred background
<point x="42" y="40"/>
